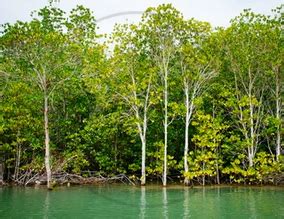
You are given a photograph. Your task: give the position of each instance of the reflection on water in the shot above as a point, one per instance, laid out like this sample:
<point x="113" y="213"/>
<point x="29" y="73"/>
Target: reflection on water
<point x="165" y="203"/>
<point x="142" y="202"/>
<point x="46" y="205"/>
<point x="186" y="203"/>
<point x="251" y="203"/>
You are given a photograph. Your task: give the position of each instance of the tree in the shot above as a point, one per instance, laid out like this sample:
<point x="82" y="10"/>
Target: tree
<point x="164" y="30"/>
<point x="133" y="77"/>
<point x="244" y="43"/>
<point x="42" y="54"/>
<point x="273" y="62"/>
<point x="162" y="92"/>
<point x="196" y="70"/>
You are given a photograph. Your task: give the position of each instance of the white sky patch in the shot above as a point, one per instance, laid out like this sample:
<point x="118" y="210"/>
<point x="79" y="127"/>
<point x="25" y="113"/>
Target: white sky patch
<point x="217" y="12"/>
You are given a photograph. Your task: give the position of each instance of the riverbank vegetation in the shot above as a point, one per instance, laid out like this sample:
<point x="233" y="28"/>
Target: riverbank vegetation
<point x="167" y="98"/>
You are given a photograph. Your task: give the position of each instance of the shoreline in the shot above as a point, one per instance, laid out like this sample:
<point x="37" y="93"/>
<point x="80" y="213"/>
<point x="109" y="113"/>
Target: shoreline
<point x="148" y="186"/>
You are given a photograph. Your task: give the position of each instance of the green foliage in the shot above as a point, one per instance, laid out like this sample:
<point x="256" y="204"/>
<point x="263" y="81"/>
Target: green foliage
<point x="263" y="171"/>
<point x="205" y="160"/>
<point x="106" y="107"/>
<point x="156" y="159"/>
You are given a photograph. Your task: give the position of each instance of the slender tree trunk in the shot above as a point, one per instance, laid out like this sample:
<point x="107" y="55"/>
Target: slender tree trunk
<point x="47" y="149"/>
<point x="165" y="127"/>
<point x="278" y="115"/>
<point x="18" y="161"/>
<point x="217" y="173"/>
<point x="189" y="105"/>
<point x="18" y="158"/>
<point x="186" y="180"/>
<point x="142" y="133"/>
<point x="143" y="168"/>
<point x="146" y="104"/>
<point x="251" y="109"/>
<point x="142" y="128"/>
<point x="186" y="169"/>
<point x="251" y="147"/>
<point x="250" y="153"/>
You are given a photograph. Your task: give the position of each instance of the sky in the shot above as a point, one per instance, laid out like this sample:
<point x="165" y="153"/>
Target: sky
<point x="217" y="12"/>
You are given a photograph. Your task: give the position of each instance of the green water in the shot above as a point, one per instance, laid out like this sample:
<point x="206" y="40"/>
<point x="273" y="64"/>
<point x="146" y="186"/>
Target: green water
<point x="135" y="202"/>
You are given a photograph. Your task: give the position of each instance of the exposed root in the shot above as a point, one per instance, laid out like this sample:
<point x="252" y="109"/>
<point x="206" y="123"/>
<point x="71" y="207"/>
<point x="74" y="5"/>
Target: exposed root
<point x="61" y="178"/>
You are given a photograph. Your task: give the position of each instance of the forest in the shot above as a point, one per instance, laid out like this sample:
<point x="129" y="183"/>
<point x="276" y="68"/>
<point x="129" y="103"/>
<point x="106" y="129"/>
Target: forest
<point x="165" y="100"/>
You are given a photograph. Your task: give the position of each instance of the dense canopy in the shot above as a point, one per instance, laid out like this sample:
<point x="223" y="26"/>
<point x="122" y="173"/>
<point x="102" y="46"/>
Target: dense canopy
<point x="167" y="98"/>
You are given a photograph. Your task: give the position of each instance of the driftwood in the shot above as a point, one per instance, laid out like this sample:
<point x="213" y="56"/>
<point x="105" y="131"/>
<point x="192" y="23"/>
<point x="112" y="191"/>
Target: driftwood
<point x="276" y="179"/>
<point x="30" y="177"/>
<point x="60" y="177"/>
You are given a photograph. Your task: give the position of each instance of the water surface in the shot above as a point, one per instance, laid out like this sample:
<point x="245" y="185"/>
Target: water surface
<point x="147" y="202"/>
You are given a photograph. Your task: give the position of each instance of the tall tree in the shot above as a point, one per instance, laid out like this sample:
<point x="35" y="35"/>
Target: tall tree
<point x="244" y="43"/>
<point x="164" y="30"/>
<point x="133" y="75"/>
<point x="196" y="70"/>
<point x="44" y="55"/>
<point x="273" y="62"/>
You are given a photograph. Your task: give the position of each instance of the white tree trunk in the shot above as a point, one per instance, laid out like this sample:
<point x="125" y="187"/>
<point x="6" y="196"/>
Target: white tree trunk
<point x="165" y="127"/>
<point x="143" y="165"/>
<point x="186" y="180"/>
<point x="189" y="111"/>
<point x="142" y="134"/>
<point x="47" y="149"/>
<point x="251" y="147"/>
<point x="187" y="118"/>
<point x="142" y="129"/>
<point x="146" y="105"/>
<point x="250" y="157"/>
<point x="252" y="131"/>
